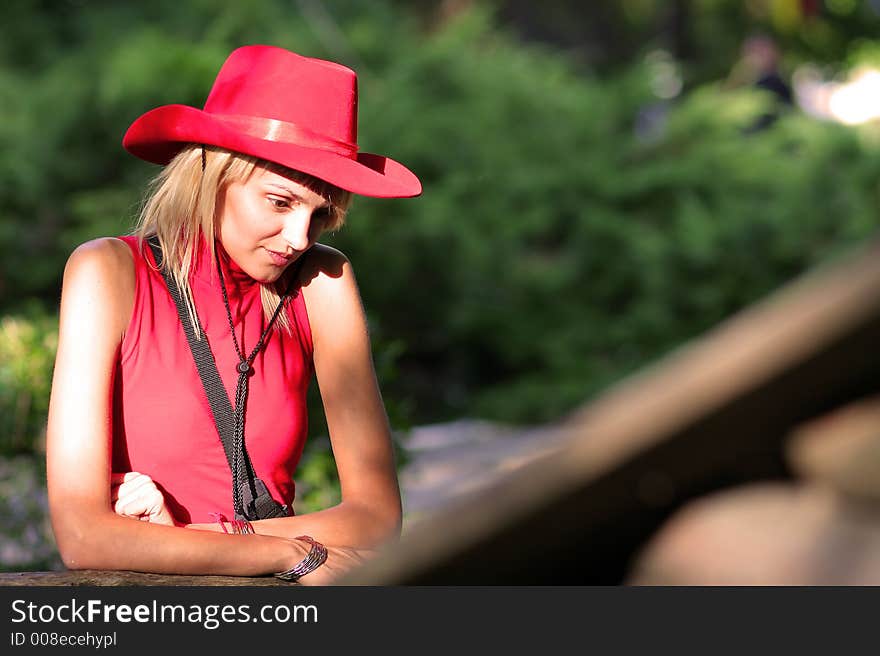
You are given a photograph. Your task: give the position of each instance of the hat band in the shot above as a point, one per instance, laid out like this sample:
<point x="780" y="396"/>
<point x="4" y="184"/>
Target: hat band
<point x="271" y="129"/>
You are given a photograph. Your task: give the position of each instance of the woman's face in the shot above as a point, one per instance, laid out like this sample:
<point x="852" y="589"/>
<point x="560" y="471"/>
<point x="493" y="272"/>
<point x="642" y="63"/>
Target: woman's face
<point x="268" y="221"/>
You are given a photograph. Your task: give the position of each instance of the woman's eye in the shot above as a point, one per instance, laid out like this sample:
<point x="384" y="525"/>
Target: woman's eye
<point x="279" y="203"/>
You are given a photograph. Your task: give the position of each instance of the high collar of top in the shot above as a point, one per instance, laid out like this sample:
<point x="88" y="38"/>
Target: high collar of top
<point x="238" y="283"/>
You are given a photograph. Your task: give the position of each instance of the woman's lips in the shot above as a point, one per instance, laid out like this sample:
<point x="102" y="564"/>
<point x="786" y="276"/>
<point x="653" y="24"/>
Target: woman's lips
<point x="279" y="259"/>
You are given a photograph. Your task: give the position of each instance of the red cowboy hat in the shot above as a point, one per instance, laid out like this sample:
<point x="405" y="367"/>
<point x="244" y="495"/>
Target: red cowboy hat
<point x="282" y="107"/>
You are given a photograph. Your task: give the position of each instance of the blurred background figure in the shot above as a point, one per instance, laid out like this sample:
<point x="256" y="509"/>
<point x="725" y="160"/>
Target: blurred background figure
<point x="759" y="67"/>
<point x="760" y="58"/>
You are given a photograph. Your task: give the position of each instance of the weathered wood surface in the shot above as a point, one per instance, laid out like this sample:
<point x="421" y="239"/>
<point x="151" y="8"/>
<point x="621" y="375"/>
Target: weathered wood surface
<point x="91" y="577"/>
<point x="713" y="415"/>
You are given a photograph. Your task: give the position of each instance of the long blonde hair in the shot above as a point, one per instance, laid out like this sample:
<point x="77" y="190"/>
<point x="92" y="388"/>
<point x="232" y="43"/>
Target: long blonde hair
<point x="181" y="207"/>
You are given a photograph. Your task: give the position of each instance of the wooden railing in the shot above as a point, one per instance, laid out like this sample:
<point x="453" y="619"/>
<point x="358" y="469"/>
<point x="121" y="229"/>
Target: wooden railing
<point x="111" y="578"/>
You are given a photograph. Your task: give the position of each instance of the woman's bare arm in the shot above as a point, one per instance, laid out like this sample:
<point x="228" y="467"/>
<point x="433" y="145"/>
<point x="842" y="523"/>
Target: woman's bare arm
<point x="96" y="303"/>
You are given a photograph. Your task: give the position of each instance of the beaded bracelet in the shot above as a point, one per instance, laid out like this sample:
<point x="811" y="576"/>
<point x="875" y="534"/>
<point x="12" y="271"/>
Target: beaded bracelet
<point x="242" y="527"/>
<point x="315" y="558"/>
<point x="239" y="526"/>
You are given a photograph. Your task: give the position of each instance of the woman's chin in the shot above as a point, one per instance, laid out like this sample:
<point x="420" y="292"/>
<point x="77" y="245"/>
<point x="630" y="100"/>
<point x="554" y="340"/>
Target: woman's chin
<point x="263" y="275"/>
<point x="267" y="279"/>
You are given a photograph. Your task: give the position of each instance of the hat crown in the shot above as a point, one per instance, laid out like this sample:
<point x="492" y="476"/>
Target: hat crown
<point x="281" y="107"/>
<point x="270" y="82"/>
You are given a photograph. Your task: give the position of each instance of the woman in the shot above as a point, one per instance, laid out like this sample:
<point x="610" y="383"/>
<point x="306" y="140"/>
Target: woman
<point x="139" y="475"/>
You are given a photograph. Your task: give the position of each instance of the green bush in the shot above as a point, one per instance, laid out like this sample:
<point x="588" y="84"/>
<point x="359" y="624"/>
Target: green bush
<point x="27" y="354"/>
<point x="573" y="227"/>
<point x="560" y="244"/>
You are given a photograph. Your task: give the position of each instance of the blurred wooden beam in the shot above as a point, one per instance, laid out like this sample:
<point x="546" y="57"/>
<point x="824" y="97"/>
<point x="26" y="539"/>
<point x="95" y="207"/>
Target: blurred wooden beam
<point x="713" y="414"/>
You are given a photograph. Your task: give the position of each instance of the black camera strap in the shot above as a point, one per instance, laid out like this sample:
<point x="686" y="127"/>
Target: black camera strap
<point x="251" y="498"/>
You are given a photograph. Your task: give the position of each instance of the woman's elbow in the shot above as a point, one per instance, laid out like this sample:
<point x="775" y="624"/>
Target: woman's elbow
<point x="72" y="559"/>
<point x="77" y="539"/>
<point x="394" y="525"/>
<point x="376" y="523"/>
<point x="387" y="522"/>
<point x="73" y="551"/>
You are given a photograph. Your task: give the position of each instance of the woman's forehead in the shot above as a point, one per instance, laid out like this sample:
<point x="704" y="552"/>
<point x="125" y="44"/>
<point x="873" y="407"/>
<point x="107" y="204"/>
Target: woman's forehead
<point x="306" y="187"/>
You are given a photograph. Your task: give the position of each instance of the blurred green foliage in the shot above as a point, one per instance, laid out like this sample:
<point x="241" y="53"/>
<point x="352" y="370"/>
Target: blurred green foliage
<point x="317" y="483"/>
<point x="27" y="352"/>
<point x="574" y="227"/>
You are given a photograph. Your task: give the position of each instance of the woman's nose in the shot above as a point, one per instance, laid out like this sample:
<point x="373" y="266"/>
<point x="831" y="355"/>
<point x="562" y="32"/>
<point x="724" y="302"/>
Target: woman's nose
<point x="296" y="229"/>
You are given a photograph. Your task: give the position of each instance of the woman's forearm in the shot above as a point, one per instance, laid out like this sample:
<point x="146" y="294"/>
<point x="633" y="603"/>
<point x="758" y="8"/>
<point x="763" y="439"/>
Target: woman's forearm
<point x="108" y="541"/>
<point x="344" y="525"/>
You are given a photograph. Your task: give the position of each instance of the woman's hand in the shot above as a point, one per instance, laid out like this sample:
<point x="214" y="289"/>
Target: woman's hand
<point x="135" y="495"/>
<point x="340" y="560"/>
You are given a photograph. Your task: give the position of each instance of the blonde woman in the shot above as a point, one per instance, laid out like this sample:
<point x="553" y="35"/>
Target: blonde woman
<point x="152" y="466"/>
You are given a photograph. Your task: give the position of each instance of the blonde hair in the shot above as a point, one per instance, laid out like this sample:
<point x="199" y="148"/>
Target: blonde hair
<point x="181" y="207"/>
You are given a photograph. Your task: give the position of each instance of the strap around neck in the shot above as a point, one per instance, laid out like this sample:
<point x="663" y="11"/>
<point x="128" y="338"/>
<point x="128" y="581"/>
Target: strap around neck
<point x="251" y="498"/>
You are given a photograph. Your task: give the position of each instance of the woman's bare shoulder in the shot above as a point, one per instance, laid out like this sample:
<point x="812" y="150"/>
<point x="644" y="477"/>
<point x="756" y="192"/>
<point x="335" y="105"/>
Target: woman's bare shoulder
<point x="102" y="272"/>
<point x="331" y="295"/>
<point x="102" y="256"/>
<point x="321" y="265"/>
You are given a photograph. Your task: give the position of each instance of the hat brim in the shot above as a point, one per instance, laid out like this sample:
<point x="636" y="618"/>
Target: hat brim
<point x="158" y="136"/>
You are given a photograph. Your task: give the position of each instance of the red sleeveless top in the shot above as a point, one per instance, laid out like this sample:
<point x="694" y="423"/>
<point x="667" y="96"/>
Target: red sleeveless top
<point x="162" y="422"/>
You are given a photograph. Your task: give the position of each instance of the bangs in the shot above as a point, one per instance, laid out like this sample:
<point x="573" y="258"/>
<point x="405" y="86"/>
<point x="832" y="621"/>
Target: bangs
<point x="338" y="199"/>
